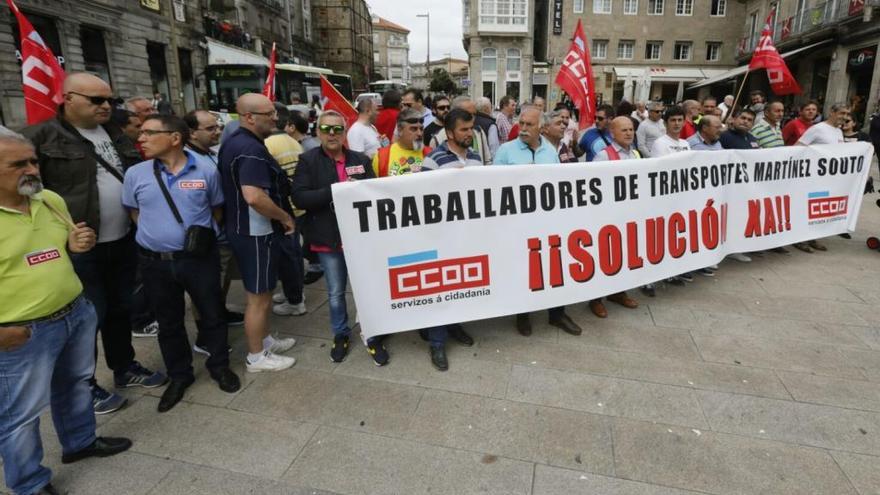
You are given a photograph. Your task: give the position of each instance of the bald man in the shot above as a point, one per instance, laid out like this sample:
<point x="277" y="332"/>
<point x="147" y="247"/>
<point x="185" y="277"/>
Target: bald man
<point x="257" y="214"/>
<point x="691" y="112"/>
<point x="83" y="157"/>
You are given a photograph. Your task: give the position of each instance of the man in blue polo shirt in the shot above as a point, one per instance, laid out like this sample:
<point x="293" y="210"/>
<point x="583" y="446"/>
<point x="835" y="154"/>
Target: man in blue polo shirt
<point x="255" y="186"/>
<point x="196" y="199"/>
<point x="531" y="148"/>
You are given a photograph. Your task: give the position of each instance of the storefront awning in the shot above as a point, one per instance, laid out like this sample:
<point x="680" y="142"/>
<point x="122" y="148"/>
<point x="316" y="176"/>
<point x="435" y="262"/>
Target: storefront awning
<point x="223" y="54"/>
<point x="743" y="68"/>
<point x="661" y="74"/>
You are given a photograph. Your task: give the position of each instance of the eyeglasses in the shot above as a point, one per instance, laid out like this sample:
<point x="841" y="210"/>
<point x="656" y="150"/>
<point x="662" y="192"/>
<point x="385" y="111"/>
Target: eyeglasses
<point x="442" y="107"/>
<point x="658" y="111"/>
<point x="99" y="100"/>
<point x="210" y="128"/>
<point x="271" y="113"/>
<point x="153" y="132"/>
<point x="327" y="128"/>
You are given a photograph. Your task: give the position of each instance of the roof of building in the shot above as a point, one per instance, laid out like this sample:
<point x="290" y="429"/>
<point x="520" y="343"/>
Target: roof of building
<point x="381" y="23"/>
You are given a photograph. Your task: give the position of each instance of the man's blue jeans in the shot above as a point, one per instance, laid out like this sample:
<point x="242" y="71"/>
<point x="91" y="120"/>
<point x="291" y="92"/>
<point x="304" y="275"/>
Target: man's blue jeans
<point x="53" y="367"/>
<point x="336" y="275"/>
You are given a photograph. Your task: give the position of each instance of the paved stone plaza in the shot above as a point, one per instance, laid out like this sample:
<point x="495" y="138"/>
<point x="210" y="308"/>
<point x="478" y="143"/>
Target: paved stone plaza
<point x="764" y="379"/>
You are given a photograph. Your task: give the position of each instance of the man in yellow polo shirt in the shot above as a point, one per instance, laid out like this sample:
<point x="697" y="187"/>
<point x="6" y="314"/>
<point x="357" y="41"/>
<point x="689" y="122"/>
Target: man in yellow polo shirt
<point x="408" y="152"/>
<point x="47" y="327"/>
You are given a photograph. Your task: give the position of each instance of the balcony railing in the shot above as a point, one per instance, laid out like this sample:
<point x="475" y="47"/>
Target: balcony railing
<point x="821" y="16"/>
<point x="228" y="33"/>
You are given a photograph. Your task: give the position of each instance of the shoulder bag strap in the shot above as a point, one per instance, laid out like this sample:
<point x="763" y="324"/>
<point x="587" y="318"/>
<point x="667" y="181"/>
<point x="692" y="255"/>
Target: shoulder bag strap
<point x="165" y="193"/>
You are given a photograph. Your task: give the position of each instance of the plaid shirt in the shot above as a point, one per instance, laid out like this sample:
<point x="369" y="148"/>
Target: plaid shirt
<point x="505" y="124"/>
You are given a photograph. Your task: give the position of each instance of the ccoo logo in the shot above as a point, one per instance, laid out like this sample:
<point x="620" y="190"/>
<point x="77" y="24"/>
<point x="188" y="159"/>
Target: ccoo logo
<point x="423" y="273"/>
<point x="821" y="205"/>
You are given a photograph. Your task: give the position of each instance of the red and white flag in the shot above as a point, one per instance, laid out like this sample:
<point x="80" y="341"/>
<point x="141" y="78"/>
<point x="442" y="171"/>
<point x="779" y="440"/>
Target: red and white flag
<point x="332" y="99"/>
<point x="41" y="75"/>
<point x="766" y="57"/>
<point x="269" y="87"/>
<point x="575" y="77"/>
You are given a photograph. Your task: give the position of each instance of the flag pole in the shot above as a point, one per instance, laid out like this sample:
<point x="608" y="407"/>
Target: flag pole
<point x="739" y="92"/>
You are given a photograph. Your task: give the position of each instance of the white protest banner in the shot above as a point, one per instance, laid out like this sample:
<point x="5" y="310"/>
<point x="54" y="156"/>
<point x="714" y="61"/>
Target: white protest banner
<point x="458" y="245"/>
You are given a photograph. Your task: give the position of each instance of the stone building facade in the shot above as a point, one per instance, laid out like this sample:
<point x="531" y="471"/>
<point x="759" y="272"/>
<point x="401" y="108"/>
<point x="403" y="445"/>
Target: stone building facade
<point x="457" y="68"/>
<point x="344" y="38"/>
<point x="390" y="50"/>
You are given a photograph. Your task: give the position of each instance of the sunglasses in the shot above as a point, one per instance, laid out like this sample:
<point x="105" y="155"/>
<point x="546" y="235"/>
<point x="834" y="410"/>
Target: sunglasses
<point x="271" y="113"/>
<point x="442" y="107"/>
<point x="407" y="105"/>
<point x="99" y="100"/>
<point x="153" y="132"/>
<point x="327" y="128"/>
<point x="210" y="128"/>
<point x="600" y="118"/>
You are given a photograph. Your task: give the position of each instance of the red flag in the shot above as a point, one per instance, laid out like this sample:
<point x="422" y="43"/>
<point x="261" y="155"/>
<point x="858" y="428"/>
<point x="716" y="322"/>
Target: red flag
<point x="576" y="77"/>
<point x="41" y="75"/>
<point x="269" y="87"/>
<point x="332" y="99"/>
<point x="766" y="57"/>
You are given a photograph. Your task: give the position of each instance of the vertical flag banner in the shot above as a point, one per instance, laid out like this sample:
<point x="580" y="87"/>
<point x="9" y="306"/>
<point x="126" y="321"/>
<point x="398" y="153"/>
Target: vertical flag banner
<point x="269" y="87"/>
<point x="766" y="57"/>
<point x="332" y="99"/>
<point x="41" y="75"/>
<point x="576" y="77"/>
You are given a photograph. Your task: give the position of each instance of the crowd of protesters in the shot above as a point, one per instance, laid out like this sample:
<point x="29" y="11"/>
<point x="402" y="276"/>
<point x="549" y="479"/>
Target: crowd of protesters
<point x="121" y="209"/>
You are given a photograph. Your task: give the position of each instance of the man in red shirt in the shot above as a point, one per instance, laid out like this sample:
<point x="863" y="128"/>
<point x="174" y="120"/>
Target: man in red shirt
<point x="386" y="120"/>
<point x="691" y="111"/>
<point x="796" y="128"/>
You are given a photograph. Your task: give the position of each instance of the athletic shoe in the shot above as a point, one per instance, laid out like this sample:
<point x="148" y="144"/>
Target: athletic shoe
<point x="312" y="277"/>
<point x="270" y="362"/>
<point x="279" y="298"/>
<point x="377" y="352"/>
<point x="281" y="345"/>
<point x="138" y="376"/>
<point x="287" y="309"/>
<point x="742" y="258"/>
<point x="339" y="349"/>
<point x="686" y="277"/>
<point x="201" y="350"/>
<point x="706" y="272"/>
<point x="649" y="290"/>
<point x="234" y="318"/>
<point x="105" y="402"/>
<point x="149" y="330"/>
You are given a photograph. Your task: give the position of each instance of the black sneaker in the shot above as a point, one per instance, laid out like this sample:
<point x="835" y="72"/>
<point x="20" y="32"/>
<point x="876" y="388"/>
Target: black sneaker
<point x="138" y="376"/>
<point x="149" y="330"/>
<point x="312" y="277"/>
<point x="339" y="350"/>
<point x="234" y="319"/>
<point x="648" y="290"/>
<point x="105" y="402"/>
<point x="438" y="358"/>
<point x="377" y="351"/>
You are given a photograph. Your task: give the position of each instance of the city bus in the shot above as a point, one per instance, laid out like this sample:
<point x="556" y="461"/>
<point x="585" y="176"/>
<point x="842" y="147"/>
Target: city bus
<point x="226" y="82"/>
<point x="382" y="86"/>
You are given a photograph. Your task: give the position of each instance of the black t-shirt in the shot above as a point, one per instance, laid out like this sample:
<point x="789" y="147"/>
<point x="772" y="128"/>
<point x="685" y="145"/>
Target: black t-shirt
<point x="430" y="131"/>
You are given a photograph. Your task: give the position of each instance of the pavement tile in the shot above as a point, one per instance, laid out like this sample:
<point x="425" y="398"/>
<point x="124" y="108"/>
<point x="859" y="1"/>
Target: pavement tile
<point x="635" y="366"/>
<point x="781" y="354"/>
<point x="804" y="424"/>
<point x="410" y="364"/>
<point x="556" y="481"/>
<point x="514" y="430"/>
<point x="781" y="328"/>
<point x="853" y="394"/>
<point x="722" y="464"/>
<point x="869" y="335"/>
<point x="608" y="396"/>
<point x="97" y="476"/>
<point x="189" y="479"/>
<point x="782" y="288"/>
<point x="373" y="464"/>
<point x="231" y="440"/>
<point x="861" y="470"/>
<point x="667" y="315"/>
<point x="330" y="399"/>
<point x="810" y="309"/>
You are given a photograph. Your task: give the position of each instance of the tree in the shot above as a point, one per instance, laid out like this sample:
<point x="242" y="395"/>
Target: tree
<point x="441" y="82"/>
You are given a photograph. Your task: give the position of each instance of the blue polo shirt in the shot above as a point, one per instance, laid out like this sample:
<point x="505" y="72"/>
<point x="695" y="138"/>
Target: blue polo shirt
<point x="697" y="143"/>
<point x="245" y="161"/>
<point x="517" y="152"/>
<point x="594" y="141"/>
<point x="196" y="190"/>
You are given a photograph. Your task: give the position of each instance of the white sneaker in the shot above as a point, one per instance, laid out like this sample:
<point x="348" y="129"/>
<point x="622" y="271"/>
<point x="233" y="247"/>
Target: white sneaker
<point x="282" y="345"/>
<point x="287" y="309"/>
<point x="739" y="257"/>
<point x="279" y="298"/>
<point x="270" y="362"/>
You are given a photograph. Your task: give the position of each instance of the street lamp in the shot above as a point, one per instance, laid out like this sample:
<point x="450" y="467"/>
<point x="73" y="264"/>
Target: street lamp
<point x="427" y="16"/>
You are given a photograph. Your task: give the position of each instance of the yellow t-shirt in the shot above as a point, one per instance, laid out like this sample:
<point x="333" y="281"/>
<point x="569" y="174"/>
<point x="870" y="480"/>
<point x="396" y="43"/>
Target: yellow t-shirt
<point x="400" y="160"/>
<point x="36" y="275"/>
<point x="285" y="150"/>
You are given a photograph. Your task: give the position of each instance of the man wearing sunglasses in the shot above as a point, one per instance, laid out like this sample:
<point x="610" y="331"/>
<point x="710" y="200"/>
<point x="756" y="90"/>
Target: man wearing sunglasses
<point x="441" y="108"/>
<point x="414" y="99"/>
<point x="408" y="152"/>
<point x="83" y="158"/>
<point x="651" y="128"/>
<point x="598" y="137"/>
<point x="318" y="169"/>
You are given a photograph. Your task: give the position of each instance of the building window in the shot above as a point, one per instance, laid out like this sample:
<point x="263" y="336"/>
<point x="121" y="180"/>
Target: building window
<point x="376" y="57"/>
<point x="684" y="7"/>
<point x="512" y="89"/>
<point x="578" y="6"/>
<point x="630" y="7"/>
<point x="682" y="50"/>
<point x="601" y="6"/>
<point x="652" y="50"/>
<point x="513" y="59"/>
<point x="719" y="8"/>
<point x="713" y="51"/>
<point x="466" y="18"/>
<point x="625" y="50"/>
<point x="600" y="49"/>
<point x="655" y="7"/>
<point x="504" y="13"/>
<point x="490" y="60"/>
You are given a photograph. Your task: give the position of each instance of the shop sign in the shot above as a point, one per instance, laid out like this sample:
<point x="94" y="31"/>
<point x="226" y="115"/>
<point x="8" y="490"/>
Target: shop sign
<point x="861" y="58"/>
<point x="557" y="17"/>
<point x="151" y="4"/>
